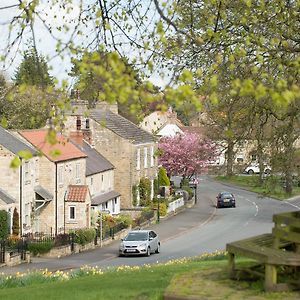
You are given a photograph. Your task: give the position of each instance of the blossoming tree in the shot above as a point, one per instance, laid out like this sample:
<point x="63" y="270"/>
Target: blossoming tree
<point x="186" y="154"/>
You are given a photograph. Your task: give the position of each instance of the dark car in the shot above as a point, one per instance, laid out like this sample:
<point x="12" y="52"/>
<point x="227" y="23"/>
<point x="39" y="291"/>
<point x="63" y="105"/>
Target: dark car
<point x="225" y="199"/>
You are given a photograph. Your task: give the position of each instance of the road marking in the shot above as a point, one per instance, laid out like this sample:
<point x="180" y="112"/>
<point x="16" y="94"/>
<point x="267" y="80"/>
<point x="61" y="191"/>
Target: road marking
<point x="256" y="208"/>
<point x="296" y="206"/>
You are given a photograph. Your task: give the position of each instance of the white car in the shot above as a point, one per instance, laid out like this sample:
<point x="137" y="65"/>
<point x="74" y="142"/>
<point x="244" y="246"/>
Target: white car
<point x="254" y="169"/>
<point x="140" y="242"/>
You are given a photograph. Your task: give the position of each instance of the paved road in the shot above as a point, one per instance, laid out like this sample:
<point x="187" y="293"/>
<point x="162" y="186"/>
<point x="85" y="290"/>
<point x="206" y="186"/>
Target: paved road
<point x="194" y="231"/>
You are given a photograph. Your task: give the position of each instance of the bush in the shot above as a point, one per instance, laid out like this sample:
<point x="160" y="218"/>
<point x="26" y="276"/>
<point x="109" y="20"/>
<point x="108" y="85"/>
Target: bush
<point x="84" y="236"/>
<point x="3" y="224"/>
<point x="16" y="223"/>
<point x="145" y="191"/>
<point x="163" y="177"/>
<point x="40" y="247"/>
<point x="124" y="220"/>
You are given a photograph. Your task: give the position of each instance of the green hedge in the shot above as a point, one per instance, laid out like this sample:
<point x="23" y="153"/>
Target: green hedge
<point x="40" y="247"/>
<point x="84" y="236"/>
<point x="3" y="224"/>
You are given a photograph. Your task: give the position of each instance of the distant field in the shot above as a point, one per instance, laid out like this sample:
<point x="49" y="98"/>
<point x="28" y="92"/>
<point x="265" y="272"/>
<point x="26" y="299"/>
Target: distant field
<point x="272" y="186"/>
<point x="202" y="279"/>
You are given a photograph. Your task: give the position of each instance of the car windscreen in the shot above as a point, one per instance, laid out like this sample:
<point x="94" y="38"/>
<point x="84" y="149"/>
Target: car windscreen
<point x="226" y="196"/>
<point x="136" y="236"/>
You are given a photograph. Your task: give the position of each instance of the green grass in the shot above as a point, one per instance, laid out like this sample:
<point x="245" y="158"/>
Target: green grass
<point x="203" y="278"/>
<point x="272" y="186"/>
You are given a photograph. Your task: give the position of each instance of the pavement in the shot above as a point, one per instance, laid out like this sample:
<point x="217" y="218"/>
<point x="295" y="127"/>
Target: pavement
<point x="183" y="221"/>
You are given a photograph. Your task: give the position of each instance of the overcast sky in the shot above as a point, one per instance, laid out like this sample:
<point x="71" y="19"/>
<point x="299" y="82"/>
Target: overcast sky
<point x="45" y="43"/>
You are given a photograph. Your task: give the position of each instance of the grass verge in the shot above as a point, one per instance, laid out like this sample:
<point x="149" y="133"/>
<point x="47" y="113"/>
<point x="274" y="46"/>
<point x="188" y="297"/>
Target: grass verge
<point x="271" y="187"/>
<point x="203" y="278"/>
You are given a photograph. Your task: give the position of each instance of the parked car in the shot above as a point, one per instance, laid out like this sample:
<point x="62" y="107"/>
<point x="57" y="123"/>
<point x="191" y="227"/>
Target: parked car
<point x="140" y="242"/>
<point x="254" y="169"/>
<point x="225" y="199"/>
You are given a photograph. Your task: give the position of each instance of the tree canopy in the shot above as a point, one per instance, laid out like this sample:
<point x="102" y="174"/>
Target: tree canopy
<point x="185" y="154"/>
<point x="33" y="70"/>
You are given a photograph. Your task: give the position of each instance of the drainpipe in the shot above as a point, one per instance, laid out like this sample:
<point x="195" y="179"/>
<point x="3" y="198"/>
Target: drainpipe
<point x="56" y="208"/>
<point x="21" y="196"/>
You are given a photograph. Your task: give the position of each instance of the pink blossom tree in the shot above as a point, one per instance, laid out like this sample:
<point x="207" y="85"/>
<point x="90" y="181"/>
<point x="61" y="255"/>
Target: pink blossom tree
<point x="186" y="154"/>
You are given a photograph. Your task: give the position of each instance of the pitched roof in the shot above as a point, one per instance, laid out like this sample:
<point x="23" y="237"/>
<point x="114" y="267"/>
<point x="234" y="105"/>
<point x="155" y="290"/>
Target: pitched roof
<point x="121" y="126"/>
<point x="6" y="197"/>
<point x="77" y="193"/>
<point x="95" y="162"/>
<point x="102" y="198"/>
<point x="43" y="193"/>
<point x="12" y="143"/>
<point x="61" y="151"/>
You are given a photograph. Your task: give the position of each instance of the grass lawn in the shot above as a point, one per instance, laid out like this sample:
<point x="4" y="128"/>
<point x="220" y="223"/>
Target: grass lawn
<point x="272" y="186"/>
<point x="197" y="279"/>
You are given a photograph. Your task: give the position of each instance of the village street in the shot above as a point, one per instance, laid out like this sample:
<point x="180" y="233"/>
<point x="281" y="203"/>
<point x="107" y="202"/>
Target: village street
<point x="196" y="230"/>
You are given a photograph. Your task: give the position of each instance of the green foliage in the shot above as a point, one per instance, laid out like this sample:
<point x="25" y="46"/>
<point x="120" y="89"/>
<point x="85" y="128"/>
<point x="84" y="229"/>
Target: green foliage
<point x="145" y="191"/>
<point x="84" y="236"/>
<point x="105" y="76"/>
<point x="33" y="70"/>
<point x="40" y="247"/>
<point x="272" y="186"/>
<point x="189" y="190"/>
<point x="134" y="194"/>
<point x="3" y="224"/>
<point x="16" y="222"/>
<point x="163" y="177"/>
<point x="26" y="107"/>
<point x="124" y="220"/>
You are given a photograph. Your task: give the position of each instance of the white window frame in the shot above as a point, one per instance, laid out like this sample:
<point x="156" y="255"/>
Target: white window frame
<point x="145" y="157"/>
<point x="152" y="156"/>
<point x="72" y="207"/>
<point x="138" y="159"/>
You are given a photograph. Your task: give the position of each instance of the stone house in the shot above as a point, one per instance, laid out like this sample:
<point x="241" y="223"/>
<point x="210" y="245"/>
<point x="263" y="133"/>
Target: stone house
<point x="162" y="123"/>
<point x="17" y="186"/>
<point x="63" y="199"/>
<point x="99" y="177"/>
<point x="130" y="148"/>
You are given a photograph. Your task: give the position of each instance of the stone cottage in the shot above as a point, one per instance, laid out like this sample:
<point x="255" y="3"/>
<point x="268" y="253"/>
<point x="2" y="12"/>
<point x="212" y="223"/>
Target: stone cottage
<point x="18" y="185"/>
<point x="99" y="177"/>
<point x="128" y="147"/>
<point x="63" y="196"/>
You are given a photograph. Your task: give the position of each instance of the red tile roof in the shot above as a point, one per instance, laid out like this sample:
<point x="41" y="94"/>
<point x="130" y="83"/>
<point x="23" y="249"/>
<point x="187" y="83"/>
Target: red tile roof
<point x="62" y="150"/>
<point x="77" y="193"/>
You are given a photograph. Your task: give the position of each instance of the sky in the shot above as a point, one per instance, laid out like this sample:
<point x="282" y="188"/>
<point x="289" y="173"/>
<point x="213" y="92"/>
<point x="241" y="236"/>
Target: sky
<point x="55" y="16"/>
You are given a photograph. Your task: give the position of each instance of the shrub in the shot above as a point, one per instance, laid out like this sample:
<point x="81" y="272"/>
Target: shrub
<point x="145" y="191"/>
<point x="124" y="220"/>
<point x="163" y="177"/>
<point x="3" y="224"/>
<point x="84" y="236"/>
<point x="40" y="247"/>
<point x="16" y="223"/>
<point x="189" y="190"/>
<point x="134" y="195"/>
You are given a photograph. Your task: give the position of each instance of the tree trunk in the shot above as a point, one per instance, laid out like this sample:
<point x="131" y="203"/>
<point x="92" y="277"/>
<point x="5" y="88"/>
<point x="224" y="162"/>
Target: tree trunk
<point x="230" y="159"/>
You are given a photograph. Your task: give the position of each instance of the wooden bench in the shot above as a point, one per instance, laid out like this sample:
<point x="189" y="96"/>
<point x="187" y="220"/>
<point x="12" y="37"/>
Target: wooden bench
<point x="280" y="248"/>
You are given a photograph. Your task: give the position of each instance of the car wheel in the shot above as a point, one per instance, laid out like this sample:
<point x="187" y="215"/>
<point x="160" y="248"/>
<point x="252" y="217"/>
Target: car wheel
<point x="148" y="252"/>
<point x="268" y="171"/>
<point x="157" y="249"/>
<point x="250" y="172"/>
<point x="121" y="255"/>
